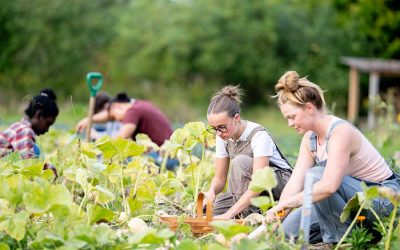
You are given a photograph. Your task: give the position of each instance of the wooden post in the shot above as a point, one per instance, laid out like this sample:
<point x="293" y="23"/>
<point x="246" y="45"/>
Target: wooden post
<point x="372" y="95"/>
<point x="354" y="92"/>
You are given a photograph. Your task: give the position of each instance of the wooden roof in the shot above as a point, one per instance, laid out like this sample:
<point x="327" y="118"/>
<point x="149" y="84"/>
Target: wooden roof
<point x="380" y="66"/>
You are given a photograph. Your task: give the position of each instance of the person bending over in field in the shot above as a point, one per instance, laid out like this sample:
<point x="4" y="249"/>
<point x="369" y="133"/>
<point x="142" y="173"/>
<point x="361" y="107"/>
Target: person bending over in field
<point x="242" y="147"/>
<point x="339" y="156"/>
<point x="137" y="116"/>
<point x="110" y="128"/>
<point x="41" y="113"/>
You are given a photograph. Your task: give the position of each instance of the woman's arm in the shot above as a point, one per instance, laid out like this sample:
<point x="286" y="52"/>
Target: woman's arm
<point x="341" y="144"/>
<point x="100" y="117"/>
<point x="304" y="162"/>
<point x="219" y="180"/>
<point x="126" y="131"/>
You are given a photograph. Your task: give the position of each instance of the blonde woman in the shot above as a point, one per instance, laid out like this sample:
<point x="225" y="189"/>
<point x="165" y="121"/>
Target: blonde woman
<point x="336" y="152"/>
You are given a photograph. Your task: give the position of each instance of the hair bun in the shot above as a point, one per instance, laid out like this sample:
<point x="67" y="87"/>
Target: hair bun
<point x="122" y="97"/>
<point x="49" y="93"/>
<point x="233" y="92"/>
<point x="288" y="82"/>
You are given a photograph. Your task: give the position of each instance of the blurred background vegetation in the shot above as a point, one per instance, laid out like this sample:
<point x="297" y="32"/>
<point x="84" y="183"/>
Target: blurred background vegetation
<point x="176" y="53"/>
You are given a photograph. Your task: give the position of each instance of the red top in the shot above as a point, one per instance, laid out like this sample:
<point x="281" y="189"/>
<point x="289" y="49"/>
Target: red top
<point x="18" y="137"/>
<point x="149" y="120"/>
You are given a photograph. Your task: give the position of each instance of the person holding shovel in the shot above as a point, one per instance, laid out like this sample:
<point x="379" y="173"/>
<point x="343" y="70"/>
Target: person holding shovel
<point x="338" y="155"/>
<point x="242" y="147"/>
<point x="137" y="116"/>
<point x="110" y="128"/>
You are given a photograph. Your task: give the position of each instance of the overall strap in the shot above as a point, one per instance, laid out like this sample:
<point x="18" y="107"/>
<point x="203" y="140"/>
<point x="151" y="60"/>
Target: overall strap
<point x="334" y="125"/>
<point x="253" y="132"/>
<point x="313" y="139"/>
<point x="279" y="151"/>
<point x="242" y="146"/>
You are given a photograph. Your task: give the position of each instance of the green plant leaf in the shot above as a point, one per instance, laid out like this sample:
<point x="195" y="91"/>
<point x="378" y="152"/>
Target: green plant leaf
<point x="60" y="212"/>
<point x="112" y="172"/>
<point x="152" y="237"/>
<point x="106" y="146"/>
<point x="104" y="195"/>
<point x="42" y="195"/>
<point x="135" y="206"/>
<point x="82" y="176"/>
<point x="32" y="170"/>
<point x="263" y="180"/>
<point x="263" y="202"/>
<point x="15" y="225"/>
<point x="89" y="150"/>
<point x="214" y="246"/>
<point x="46" y="239"/>
<point x="187" y="244"/>
<point x="352" y="205"/>
<point x="144" y="140"/>
<point x="12" y="189"/>
<point x="230" y="228"/>
<point x="4" y="246"/>
<point x="97" y="213"/>
<point x="179" y="136"/>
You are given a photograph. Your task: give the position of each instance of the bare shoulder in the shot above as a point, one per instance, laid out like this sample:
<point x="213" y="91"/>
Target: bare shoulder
<point x="345" y="135"/>
<point x="345" y="130"/>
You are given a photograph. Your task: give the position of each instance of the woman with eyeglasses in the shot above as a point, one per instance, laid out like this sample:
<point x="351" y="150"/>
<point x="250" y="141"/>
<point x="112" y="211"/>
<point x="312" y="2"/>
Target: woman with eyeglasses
<point x="339" y="156"/>
<point x="242" y="147"/>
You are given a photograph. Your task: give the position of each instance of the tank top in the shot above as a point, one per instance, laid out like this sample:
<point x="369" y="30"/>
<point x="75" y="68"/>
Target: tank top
<point x="366" y="164"/>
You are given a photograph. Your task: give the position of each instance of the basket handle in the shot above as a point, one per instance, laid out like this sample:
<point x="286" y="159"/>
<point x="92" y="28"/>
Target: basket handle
<point x="209" y="209"/>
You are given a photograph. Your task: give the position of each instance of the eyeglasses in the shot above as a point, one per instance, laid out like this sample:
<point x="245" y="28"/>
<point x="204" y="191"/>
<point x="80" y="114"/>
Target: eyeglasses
<point x="220" y="128"/>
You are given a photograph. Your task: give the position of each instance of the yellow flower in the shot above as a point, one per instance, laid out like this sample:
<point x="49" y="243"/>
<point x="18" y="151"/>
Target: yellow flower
<point x="281" y="213"/>
<point x="361" y="218"/>
<point x="398" y="117"/>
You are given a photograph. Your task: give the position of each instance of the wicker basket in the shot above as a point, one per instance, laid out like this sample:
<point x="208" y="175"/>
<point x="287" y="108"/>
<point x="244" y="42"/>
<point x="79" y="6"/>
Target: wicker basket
<point x="200" y="224"/>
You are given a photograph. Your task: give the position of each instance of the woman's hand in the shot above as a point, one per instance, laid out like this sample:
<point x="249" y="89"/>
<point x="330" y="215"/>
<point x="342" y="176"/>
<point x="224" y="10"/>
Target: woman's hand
<point x="224" y="216"/>
<point x="274" y="214"/>
<point x="209" y="195"/>
<point x="82" y="124"/>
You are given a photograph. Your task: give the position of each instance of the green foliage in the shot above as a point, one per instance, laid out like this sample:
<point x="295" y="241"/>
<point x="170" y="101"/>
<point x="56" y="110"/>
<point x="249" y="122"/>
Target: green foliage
<point x="263" y="202"/>
<point x="263" y="180"/>
<point x="158" y="45"/>
<point x="230" y="228"/>
<point x="359" y="238"/>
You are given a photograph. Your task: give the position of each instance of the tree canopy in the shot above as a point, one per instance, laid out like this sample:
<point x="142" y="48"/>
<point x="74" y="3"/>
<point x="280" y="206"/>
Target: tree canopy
<point x="163" y="42"/>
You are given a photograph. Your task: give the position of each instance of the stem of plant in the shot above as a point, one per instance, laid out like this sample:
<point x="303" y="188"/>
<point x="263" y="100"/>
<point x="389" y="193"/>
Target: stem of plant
<point x="193" y="182"/>
<point x="122" y="188"/>
<point x="350" y="227"/>
<point x="163" y="166"/>
<point x="271" y="196"/>
<point x="389" y="234"/>
<point x="201" y="168"/>
<point x="379" y="220"/>
<point x="137" y="181"/>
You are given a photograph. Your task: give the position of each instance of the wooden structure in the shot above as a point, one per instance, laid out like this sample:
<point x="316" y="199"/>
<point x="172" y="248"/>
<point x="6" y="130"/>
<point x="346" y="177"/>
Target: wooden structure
<point x="375" y="68"/>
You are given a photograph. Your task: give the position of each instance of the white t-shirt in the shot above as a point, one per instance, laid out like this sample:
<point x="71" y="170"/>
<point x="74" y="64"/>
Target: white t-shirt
<point x="261" y="145"/>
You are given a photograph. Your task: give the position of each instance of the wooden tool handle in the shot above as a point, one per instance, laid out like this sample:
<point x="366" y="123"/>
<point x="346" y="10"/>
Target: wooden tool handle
<point x="90" y="117"/>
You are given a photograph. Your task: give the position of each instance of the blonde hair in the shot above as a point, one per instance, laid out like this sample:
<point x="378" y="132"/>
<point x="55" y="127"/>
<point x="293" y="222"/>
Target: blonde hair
<point x="299" y="91"/>
<point x="228" y="99"/>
